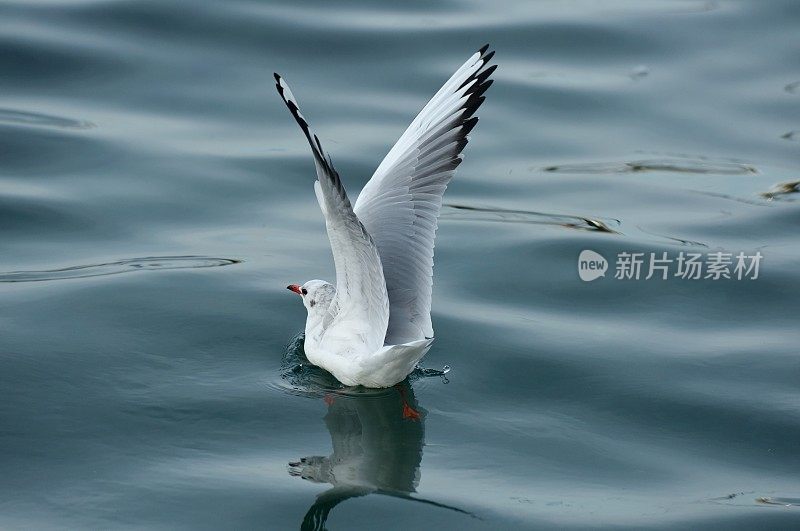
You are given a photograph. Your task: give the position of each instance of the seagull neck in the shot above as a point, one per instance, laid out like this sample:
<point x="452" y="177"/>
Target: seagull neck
<point x="313" y="321"/>
<point x="314" y="328"/>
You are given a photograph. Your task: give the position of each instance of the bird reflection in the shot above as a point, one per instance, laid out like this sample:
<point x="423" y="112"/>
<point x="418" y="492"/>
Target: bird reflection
<point x="377" y="438"/>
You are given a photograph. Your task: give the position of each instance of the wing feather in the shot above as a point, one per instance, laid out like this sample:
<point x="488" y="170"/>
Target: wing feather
<point x="400" y="205"/>
<point x="361" y="302"/>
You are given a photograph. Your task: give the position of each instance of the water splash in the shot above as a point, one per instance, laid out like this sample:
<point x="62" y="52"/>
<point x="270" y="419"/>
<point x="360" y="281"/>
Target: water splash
<point x="153" y="263"/>
<point x="420" y="372"/>
<point x="299" y="376"/>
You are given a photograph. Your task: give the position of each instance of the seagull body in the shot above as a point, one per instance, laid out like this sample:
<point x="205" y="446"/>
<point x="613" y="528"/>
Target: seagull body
<point x="374" y="325"/>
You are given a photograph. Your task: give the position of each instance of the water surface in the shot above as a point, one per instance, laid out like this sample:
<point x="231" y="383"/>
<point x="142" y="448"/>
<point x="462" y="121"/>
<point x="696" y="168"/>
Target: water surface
<point x="146" y="138"/>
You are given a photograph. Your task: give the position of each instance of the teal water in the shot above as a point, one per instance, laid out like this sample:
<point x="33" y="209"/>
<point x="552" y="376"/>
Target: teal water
<point x="155" y="200"/>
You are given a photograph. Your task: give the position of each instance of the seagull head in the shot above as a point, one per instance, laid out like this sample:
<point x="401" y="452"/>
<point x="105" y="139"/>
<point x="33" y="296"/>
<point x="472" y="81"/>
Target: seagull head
<point x="316" y="294"/>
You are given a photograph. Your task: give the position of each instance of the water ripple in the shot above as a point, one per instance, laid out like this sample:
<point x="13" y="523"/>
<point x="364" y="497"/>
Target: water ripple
<point x="118" y="267"/>
<point x="680" y="241"/>
<point x="657" y="165"/>
<point x="730" y="197"/>
<point x="471" y="213"/>
<point x="793" y="88"/>
<point x="747" y="498"/>
<point x="784" y="502"/>
<point x="782" y="190"/>
<point x="10" y="116"/>
<point x="791" y="135"/>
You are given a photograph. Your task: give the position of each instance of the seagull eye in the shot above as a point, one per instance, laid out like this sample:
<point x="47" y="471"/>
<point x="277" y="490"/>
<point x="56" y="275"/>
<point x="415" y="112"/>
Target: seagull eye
<point x="304" y="291"/>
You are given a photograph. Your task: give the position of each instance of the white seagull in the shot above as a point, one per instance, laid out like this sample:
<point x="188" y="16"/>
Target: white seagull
<point x="374" y="326"/>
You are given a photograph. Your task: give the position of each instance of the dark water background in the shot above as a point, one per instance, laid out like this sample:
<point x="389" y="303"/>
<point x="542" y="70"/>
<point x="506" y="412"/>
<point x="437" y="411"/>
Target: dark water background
<point x="146" y="138"/>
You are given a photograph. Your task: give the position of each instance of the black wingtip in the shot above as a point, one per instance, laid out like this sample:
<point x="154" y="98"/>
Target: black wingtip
<point x="469" y="125"/>
<point x="488" y="57"/>
<point x="277" y="77"/>
<point x="483" y="87"/>
<point x="484" y="48"/>
<point x="485" y="73"/>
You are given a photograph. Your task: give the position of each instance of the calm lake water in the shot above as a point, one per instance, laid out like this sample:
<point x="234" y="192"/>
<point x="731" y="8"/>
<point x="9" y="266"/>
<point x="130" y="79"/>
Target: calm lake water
<point x="156" y="198"/>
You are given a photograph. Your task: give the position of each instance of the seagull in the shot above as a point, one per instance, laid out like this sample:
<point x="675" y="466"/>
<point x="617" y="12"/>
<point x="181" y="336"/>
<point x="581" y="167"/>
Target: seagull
<point x="374" y="326"/>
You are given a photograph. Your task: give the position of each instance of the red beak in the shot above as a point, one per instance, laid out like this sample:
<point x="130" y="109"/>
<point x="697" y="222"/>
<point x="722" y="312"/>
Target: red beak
<point x="295" y="288"/>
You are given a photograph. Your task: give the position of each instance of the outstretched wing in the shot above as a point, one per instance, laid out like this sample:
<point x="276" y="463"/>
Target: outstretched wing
<point x="361" y="301"/>
<point x="400" y="204"/>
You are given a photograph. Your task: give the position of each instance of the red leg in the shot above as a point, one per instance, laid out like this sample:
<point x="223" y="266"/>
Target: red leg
<point x="408" y="411"/>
